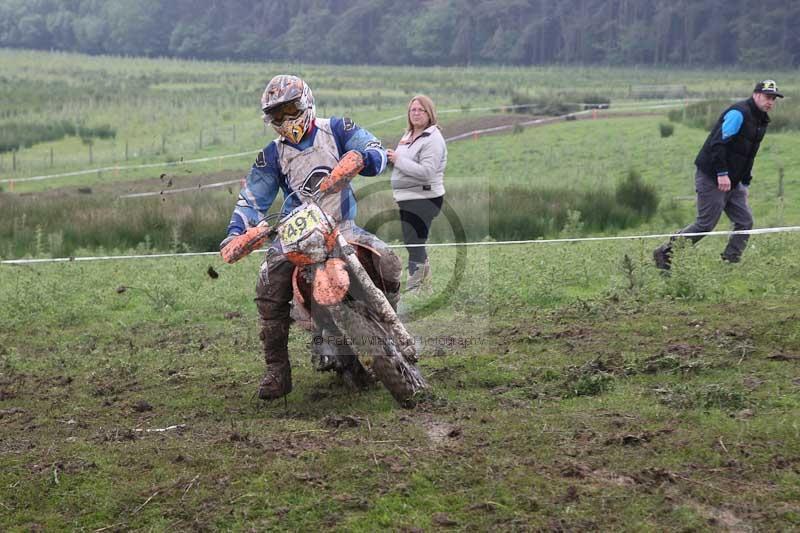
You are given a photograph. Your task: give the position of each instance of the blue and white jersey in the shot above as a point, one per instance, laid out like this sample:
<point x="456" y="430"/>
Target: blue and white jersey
<point x="284" y="166"/>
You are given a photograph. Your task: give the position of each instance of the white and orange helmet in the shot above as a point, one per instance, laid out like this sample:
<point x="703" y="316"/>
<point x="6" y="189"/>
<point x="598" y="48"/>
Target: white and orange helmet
<point x="288" y="106"/>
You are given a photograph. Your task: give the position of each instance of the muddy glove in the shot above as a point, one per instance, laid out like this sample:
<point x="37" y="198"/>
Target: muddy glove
<point x="227" y="240"/>
<point x="348" y="167"/>
<point x="234" y="247"/>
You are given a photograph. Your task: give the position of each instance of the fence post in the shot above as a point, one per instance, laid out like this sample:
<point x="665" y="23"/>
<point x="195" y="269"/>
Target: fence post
<point x="780" y="195"/>
<point x="51" y="156"/>
<point x="234" y="134"/>
<point x="126" y="150"/>
<point x="91" y="159"/>
<point x="163" y="144"/>
<point x="201" y="139"/>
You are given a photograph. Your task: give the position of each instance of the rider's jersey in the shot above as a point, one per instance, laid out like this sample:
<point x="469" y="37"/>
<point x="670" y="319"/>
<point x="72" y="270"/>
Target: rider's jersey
<point x="284" y="166"/>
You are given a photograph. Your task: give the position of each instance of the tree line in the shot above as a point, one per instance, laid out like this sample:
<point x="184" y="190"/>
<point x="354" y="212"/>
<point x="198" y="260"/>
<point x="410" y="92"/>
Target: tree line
<point x="418" y="32"/>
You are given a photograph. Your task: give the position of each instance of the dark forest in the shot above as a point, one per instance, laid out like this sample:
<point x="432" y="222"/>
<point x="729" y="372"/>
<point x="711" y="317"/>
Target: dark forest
<point x="418" y="32"/>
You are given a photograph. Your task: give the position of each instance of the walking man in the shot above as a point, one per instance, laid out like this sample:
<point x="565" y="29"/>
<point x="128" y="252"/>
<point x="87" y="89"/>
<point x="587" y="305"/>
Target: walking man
<point x="723" y="172"/>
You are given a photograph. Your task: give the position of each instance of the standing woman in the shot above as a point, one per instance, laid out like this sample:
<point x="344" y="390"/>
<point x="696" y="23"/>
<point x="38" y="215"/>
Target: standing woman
<point x="418" y="184"/>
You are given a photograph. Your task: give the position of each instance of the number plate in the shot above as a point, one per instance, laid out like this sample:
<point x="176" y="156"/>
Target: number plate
<point x="300" y="224"/>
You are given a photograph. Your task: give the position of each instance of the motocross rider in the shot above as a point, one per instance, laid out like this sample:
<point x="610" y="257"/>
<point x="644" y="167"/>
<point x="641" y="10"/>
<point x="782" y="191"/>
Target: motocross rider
<point x="307" y="148"/>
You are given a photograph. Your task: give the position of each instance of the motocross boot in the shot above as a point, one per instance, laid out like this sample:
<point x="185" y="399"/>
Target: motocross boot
<point x="390" y="269"/>
<point x="277" y="380"/>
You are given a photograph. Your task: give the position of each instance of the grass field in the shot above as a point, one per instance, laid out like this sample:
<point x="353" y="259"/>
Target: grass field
<point x="573" y="386"/>
<point x="513" y="186"/>
<point x="594" y="394"/>
<point x="162" y="110"/>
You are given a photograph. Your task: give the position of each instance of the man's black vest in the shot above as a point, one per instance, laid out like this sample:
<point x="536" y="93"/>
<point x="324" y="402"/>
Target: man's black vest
<point x="736" y="154"/>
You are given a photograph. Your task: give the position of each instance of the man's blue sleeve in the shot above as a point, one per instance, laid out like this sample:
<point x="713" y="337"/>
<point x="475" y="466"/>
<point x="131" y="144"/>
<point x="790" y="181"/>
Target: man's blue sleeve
<point x="259" y="191"/>
<point x="732" y="123"/>
<point x="351" y="137"/>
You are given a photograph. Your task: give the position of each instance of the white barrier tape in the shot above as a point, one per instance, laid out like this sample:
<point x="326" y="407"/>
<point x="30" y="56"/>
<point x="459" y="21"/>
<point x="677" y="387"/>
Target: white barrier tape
<point x="100" y="258"/>
<point x="761" y="231"/>
<point x="251" y="152"/>
<point x="127" y="167"/>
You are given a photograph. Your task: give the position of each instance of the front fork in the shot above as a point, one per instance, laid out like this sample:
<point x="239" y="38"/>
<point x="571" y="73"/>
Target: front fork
<point x="377" y="300"/>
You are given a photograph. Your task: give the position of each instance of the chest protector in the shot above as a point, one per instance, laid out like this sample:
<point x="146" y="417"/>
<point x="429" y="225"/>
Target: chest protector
<point x="305" y="167"/>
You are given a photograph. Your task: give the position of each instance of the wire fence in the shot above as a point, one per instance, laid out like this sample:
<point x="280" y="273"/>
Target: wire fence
<point x="118" y="159"/>
<point x="168" y="148"/>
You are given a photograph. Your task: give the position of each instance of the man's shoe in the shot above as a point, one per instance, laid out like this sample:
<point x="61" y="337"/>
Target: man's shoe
<point x="730" y="259"/>
<point x="661" y="257"/>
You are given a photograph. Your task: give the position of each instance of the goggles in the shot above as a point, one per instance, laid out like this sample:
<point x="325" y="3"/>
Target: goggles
<point x="278" y="114"/>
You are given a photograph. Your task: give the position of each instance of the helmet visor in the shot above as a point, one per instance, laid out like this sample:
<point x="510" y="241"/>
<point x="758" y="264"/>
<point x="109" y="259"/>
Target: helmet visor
<point x="282" y="112"/>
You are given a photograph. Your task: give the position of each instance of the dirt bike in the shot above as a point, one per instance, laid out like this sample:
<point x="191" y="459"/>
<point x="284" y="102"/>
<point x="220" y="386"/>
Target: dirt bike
<point x="357" y="331"/>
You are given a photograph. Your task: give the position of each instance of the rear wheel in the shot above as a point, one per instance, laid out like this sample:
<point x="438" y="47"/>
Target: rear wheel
<point x="328" y="356"/>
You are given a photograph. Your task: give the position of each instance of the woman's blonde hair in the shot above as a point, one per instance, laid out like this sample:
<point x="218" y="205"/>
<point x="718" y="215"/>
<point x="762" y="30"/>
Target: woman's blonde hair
<point x="427" y="105"/>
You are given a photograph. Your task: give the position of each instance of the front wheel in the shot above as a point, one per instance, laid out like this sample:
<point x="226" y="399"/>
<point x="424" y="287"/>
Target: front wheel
<point x="403" y="379"/>
<point x="377" y="349"/>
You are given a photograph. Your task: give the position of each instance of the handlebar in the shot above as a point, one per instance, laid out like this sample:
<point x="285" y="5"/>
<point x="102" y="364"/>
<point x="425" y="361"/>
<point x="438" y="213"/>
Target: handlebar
<point x="348" y="167"/>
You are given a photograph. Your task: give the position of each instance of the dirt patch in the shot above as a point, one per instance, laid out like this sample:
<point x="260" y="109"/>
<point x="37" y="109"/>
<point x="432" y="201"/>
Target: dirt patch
<point x="11" y="411"/>
<point x="722" y="518"/>
<point x="336" y="421"/>
<point x="440" y="433"/>
<point x="784" y="357"/>
<point x="628" y="439"/>
<point x="601" y="475"/>
<point x="460" y="126"/>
